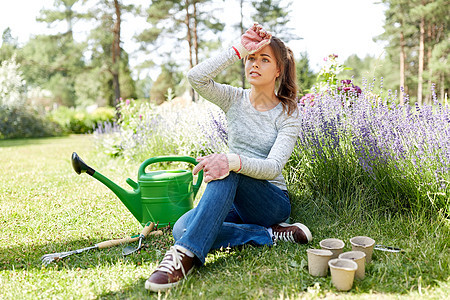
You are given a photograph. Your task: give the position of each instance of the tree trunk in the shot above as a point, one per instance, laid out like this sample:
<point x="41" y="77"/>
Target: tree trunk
<point x="194" y="16"/>
<point x="116" y="54"/>
<point x="187" y="22"/>
<point x="402" y="67"/>
<point x="242" y="32"/>
<point x="421" y="60"/>
<point x="429" y="97"/>
<point x="69" y="21"/>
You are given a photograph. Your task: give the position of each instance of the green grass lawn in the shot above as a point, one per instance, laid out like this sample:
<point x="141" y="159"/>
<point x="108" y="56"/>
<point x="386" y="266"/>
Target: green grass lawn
<point x="46" y="207"/>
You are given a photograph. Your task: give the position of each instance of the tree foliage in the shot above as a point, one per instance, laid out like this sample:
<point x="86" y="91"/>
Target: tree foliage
<point x="180" y="23"/>
<point x="52" y="63"/>
<point x="274" y="16"/>
<point x="168" y="80"/>
<point x="305" y="75"/>
<point x="370" y="68"/>
<point x="62" y="12"/>
<point x="109" y="62"/>
<point x="93" y="68"/>
<point x="9" y="45"/>
<point x="417" y="36"/>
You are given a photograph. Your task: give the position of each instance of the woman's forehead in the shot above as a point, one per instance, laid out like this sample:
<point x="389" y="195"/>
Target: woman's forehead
<point x="266" y="51"/>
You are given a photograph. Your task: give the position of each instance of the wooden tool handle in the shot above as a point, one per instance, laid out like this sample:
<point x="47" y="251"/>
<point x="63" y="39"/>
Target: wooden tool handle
<point x="156" y="233"/>
<point x="111" y="243"/>
<point x="147" y="229"/>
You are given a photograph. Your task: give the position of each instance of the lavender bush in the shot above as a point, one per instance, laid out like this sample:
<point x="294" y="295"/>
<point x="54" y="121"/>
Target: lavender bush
<point x="145" y="130"/>
<point x="398" y="157"/>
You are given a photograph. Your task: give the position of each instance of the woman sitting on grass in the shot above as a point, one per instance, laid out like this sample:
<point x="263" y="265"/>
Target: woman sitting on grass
<point x="246" y="200"/>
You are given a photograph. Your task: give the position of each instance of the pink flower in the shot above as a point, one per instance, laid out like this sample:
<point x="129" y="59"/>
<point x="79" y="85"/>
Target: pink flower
<point x="333" y="56"/>
<point x="347" y="81"/>
<point x="308" y="98"/>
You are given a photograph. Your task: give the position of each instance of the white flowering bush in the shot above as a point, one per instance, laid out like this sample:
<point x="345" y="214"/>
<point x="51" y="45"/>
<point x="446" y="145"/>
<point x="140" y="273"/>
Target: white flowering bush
<point x="12" y="85"/>
<point x="145" y="130"/>
<point x="18" y="120"/>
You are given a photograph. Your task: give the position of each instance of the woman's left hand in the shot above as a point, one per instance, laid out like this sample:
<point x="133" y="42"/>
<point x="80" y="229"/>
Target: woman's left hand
<point x="215" y="166"/>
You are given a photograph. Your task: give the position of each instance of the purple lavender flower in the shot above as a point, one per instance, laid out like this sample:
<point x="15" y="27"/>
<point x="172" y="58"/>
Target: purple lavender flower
<point x="392" y="144"/>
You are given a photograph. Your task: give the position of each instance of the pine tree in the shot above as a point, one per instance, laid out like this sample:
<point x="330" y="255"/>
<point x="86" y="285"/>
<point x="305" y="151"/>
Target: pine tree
<point x="62" y="12"/>
<point x="414" y="29"/>
<point x="173" y="21"/>
<point x="399" y="32"/>
<point x="9" y="45"/>
<point x="305" y="75"/>
<point x="109" y="60"/>
<point x="274" y="17"/>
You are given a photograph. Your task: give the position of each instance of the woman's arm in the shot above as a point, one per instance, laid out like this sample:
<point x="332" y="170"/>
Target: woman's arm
<point x="201" y="79"/>
<point x="201" y="76"/>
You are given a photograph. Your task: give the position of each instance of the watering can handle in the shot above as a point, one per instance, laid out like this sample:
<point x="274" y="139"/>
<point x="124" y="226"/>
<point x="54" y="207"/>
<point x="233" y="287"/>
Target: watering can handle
<point x="187" y="159"/>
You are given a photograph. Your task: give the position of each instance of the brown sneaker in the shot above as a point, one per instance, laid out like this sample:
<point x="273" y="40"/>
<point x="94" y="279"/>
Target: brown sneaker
<point x="296" y="233"/>
<point x="174" y="267"/>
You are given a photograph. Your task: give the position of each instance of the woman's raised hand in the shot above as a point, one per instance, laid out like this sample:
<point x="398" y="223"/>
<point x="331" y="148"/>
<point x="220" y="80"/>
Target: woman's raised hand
<point x="253" y="40"/>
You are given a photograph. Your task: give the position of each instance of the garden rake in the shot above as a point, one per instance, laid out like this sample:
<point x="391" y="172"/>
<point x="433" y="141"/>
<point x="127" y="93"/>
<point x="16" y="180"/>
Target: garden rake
<point x="48" y="258"/>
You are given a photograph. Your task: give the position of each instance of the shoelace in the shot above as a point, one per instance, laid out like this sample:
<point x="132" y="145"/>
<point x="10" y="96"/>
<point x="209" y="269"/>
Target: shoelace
<point x="169" y="264"/>
<point x="287" y="236"/>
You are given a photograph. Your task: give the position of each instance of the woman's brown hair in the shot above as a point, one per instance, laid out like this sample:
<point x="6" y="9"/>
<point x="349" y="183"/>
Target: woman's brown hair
<point x="287" y="81"/>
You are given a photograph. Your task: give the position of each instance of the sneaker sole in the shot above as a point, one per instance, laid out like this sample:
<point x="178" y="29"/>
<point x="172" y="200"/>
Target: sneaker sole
<point x="156" y="287"/>
<point x="302" y="227"/>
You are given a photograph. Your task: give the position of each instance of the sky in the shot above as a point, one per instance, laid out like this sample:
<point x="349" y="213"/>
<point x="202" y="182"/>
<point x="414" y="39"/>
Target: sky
<point x="342" y="27"/>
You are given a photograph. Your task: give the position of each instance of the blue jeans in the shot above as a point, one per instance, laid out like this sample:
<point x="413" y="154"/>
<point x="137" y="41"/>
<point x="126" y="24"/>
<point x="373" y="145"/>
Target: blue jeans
<point x="233" y="211"/>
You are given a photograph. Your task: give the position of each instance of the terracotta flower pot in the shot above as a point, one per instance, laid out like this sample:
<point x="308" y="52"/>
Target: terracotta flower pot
<point x="359" y="258"/>
<point x="334" y="245"/>
<point x="342" y="273"/>
<point x="364" y="244"/>
<point x="318" y="261"/>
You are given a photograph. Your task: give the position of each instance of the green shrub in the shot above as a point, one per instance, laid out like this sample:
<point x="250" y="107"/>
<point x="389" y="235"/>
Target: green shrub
<point x="81" y="121"/>
<point x="25" y="122"/>
<point x="17" y="119"/>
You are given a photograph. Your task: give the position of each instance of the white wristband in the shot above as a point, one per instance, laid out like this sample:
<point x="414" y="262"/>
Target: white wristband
<point x="241" y="51"/>
<point x="234" y="162"/>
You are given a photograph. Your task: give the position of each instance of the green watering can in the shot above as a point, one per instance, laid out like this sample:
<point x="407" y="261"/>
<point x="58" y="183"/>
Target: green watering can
<point x="158" y="196"/>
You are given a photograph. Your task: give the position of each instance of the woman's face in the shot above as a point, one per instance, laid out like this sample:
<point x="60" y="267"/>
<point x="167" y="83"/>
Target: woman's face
<point x="261" y="67"/>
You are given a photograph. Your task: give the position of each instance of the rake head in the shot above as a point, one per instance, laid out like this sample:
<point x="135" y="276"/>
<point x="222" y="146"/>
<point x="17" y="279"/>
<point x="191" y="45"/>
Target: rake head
<point x="48" y="258"/>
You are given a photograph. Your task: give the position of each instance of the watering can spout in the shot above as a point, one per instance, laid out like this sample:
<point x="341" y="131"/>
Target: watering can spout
<point x="131" y="199"/>
<point x="80" y="166"/>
